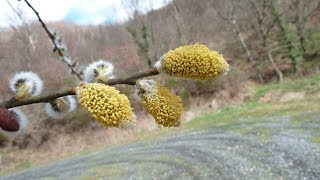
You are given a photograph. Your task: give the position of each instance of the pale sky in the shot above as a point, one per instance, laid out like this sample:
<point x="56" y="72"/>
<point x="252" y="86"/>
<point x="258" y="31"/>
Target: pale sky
<point x="76" y="11"/>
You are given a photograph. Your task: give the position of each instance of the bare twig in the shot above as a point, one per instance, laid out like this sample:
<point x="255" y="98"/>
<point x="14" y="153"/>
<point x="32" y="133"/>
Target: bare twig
<point x="131" y="80"/>
<point x="51" y="36"/>
<point x="14" y="10"/>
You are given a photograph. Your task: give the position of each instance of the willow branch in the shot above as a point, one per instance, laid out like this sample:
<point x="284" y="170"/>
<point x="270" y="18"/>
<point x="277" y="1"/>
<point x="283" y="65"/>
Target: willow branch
<point x="37" y="99"/>
<point x="131" y="80"/>
<point x="51" y="36"/>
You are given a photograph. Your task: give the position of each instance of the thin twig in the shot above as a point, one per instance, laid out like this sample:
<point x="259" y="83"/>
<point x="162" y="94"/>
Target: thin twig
<point x="51" y="36"/>
<point x="15" y="11"/>
<point x="131" y="80"/>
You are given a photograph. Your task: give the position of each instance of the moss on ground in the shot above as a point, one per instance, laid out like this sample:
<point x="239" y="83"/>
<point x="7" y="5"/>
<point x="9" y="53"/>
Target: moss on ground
<point x="315" y="139"/>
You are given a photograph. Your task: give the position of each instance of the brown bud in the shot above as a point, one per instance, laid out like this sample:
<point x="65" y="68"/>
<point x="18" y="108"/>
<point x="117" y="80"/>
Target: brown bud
<point x="8" y="121"/>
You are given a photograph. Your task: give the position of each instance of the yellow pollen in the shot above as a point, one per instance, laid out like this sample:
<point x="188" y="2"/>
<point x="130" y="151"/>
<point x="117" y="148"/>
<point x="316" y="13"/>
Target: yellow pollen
<point x="165" y="107"/>
<point x="195" y="62"/>
<point x="106" y="104"/>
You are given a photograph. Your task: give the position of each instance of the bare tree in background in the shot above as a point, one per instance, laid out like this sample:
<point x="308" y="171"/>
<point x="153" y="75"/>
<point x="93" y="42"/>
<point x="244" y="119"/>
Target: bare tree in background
<point x="230" y="11"/>
<point x="155" y="33"/>
<point x="139" y="31"/>
<point x="185" y="27"/>
<point x="24" y="35"/>
<point x="263" y="23"/>
<point x="227" y="10"/>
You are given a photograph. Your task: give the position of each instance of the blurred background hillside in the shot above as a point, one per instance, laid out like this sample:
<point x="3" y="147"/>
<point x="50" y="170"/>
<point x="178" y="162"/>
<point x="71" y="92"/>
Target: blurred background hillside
<point x="265" y="41"/>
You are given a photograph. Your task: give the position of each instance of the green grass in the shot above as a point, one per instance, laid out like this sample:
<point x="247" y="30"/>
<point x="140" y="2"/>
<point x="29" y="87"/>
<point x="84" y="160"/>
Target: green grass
<point x="253" y="108"/>
<point x="23" y="165"/>
<point x="315" y="139"/>
<point x="230" y="115"/>
<point x="308" y="84"/>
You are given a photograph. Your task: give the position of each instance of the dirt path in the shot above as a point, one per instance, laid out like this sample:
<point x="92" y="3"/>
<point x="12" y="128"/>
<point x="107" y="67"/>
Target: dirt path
<point x="282" y="147"/>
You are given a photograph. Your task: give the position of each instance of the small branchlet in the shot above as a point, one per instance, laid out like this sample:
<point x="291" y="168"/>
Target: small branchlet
<point x="57" y="43"/>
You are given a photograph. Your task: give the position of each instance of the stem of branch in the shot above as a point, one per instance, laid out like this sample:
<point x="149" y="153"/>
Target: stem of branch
<point x="131" y="80"/>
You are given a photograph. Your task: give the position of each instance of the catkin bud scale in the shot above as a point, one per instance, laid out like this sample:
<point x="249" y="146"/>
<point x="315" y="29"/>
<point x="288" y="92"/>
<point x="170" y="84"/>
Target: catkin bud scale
<point x="98" y="71"/>
<point x="58" y="108"/>
<point x="25" y="84"/>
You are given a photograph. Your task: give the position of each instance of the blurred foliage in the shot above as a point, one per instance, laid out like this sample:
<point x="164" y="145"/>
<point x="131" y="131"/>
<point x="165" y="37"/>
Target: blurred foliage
<point x="313" y="41"/>
<point x="3" y="139"/>
<point x="75" y="121"/>
<point x="289" y="38"/>
<point x="140" y="37"/>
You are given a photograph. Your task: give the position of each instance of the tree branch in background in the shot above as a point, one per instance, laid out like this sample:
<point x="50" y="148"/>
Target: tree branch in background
<point x="14" y="10"/>
<point x="25" y="37"/>
<point x="230" y="17"/>
<point x="51" y="36"/>
<point x="131" y="80"/>
<point x="274" y="65"/>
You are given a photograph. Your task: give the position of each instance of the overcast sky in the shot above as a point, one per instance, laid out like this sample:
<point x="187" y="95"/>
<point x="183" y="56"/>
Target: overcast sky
<point x="76" y="11"/>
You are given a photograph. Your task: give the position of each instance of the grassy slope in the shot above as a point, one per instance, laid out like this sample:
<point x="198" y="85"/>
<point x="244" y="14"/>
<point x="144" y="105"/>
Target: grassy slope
<point x="229" y="115"/>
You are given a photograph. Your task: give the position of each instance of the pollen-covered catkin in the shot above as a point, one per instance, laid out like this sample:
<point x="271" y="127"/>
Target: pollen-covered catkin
<point x="164" y="106"/>
<point x="106" y="104"/>
<point x="193" y="61"/>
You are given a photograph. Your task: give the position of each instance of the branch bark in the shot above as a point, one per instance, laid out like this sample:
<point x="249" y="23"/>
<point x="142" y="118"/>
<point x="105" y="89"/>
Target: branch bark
<point x="131" y="80"/>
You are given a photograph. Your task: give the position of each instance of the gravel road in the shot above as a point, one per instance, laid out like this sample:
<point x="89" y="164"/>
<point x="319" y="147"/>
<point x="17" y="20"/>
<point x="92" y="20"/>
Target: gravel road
<point x="278" y="147"/>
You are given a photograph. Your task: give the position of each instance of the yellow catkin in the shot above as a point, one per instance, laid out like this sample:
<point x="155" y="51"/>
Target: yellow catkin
<point x="165" y="107"/>
<point x="106" y="104"/>
<point x="193" y="61"/>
